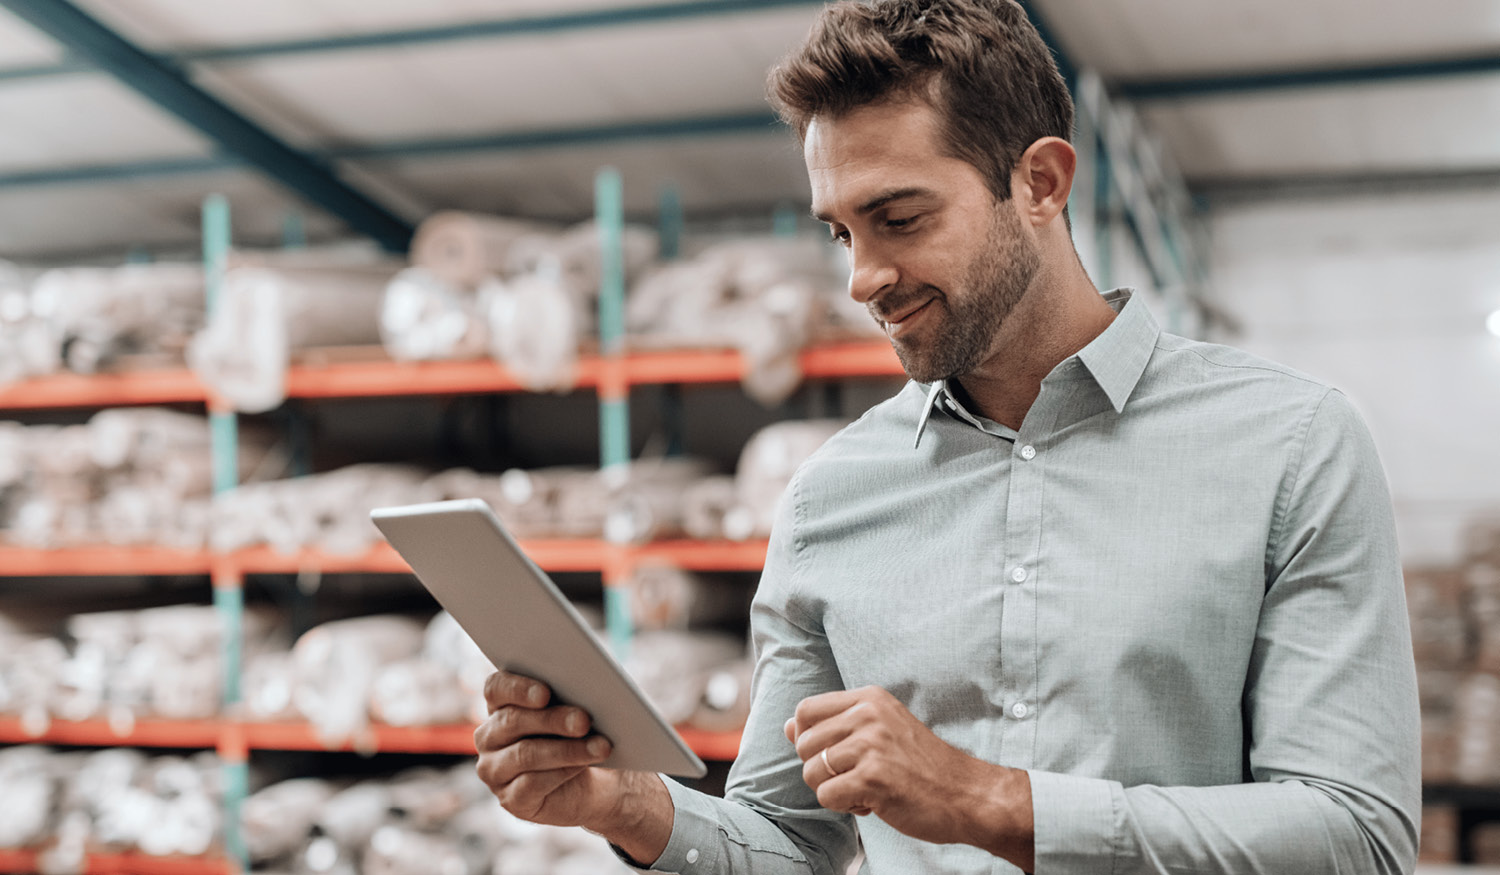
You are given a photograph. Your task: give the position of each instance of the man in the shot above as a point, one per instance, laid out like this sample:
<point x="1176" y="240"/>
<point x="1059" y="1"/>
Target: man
<point x="1131" y="603"/>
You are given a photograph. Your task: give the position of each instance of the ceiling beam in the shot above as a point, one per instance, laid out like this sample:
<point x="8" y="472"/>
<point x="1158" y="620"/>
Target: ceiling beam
<point x="165" y="85"/>
<point x="529" y="25"/>
<point x="750" y="122"/>
<point x="1191" y="87"/>
<point x="1223" y="190"/>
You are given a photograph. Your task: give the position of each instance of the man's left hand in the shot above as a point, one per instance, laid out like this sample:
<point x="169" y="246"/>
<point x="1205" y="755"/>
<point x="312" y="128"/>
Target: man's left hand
<point x="863" y="752"/>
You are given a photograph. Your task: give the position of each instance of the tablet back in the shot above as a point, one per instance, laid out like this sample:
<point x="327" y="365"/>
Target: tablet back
<point x="521" y="621"/>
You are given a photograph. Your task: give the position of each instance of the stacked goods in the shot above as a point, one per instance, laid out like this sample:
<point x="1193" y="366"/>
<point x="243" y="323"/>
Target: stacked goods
<point x="1455" y="616"/>
<point x="523" y="292"/>
<point x="90" y="317"/>
<point x="129" y="476"/>
<point x="663" y="596"/>
<point x="767" y="298"/>
<point x="161" y="663"/>
<point x="26" y="345"/>
<point x="111" y="800"/>
<point x="766" y="466"/>
<point x="272" y="307"/>
<point x="328" y="511"/>
<point x="336" y="664"/>
<point x="419" y="822"/>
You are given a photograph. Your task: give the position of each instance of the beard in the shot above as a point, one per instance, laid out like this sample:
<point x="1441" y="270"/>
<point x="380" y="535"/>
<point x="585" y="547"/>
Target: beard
<point x="990" y="287"/>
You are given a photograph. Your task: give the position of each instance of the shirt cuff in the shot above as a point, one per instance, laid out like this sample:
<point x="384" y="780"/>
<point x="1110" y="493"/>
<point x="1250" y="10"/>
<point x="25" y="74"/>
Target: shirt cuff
<point x="1076" y="823"/>
<point x="695" y="830"/>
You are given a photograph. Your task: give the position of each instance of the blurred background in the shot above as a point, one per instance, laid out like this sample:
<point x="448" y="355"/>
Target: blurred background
<point x="266" y="265"/>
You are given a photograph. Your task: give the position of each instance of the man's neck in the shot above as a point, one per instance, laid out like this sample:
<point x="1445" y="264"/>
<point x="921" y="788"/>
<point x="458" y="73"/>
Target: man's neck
<point x="1049" y="325"/>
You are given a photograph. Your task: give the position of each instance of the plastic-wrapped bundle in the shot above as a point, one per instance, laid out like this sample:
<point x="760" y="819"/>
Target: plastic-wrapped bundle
<point x="577" y="254"/>
<point x="1483" y="582"/>
<point x="399" y="850"/>
<point x="448" y="645"/>
<point x="423" y="318"/>
<point x="28" y="789"/>
<point x="1477" y="717"/>
<point x="418" y="692"/>
<point x="463" y="249"/>
<point x="725" y="704"/>
<point x="97" y="314"/>
<point x="672" y="667"/>
<point x="768" y="298"/>
<point x="563" y="501"/>
<point x="766" y="466"/>
<point x="27" y="348"/>
<point x="645" y="498"/>
<point x="264" y="314"/>
<point x="268" y="685"/>
<point x="337" y="664"/>
<point x="535" y="323"/>
<point x="329" y="511"/>
<point x="705" y="504"/>
<point x="664" y="596"/>
<point x="275" y="821"/>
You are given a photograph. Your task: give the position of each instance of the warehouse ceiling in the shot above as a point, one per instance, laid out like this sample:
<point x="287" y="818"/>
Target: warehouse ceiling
<point x="511" y="105"/>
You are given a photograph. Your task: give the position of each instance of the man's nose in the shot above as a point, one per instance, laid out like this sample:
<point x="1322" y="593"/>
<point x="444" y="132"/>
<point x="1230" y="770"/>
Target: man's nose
<point x="869" y="272"/>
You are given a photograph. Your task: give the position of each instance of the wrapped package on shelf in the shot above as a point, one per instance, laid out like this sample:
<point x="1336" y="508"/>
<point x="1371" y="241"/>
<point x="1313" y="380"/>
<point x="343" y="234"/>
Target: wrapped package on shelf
<point x="1477" y="719"/>
<point x="446" y="643"/>
<point x="427" y="798"/>
<point x="275" y="821"/>
<point x="766" y="466"/>
<point x="423" y="318"/>
<point x="401" y="850"/>
<point x="28" y="790"/>
<point x="563" y="501"/>
<point x="644" y="498"/>
<point x="1483" y="583"/>
<point x="95" y="315"/>
<point x="768" y="298"/>
<point x="337" y="664"/>
<point x="725" y="703"/>
<point x="673" y="666"/>
<point x="535" y="324"/>
<point x="327" y="511"/>
<point x="704" y="505"/>
<point x="663" y="596"/>
<point x="265" y="314"/>
<point x="27" y="348"/>
<point x="523" y="503"/>
<point x="1439" y="691"/>
<point x="267" y="687"/>
<point x="463" y="249"/>
<point x="418" y="692"/>
<point x="577" y="255"/>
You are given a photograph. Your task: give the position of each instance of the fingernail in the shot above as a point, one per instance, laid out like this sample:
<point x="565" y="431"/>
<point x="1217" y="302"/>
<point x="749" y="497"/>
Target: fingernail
<point x="575" y="721"/>
<point x="597" y="746"/>
<point x="536" y="696"/>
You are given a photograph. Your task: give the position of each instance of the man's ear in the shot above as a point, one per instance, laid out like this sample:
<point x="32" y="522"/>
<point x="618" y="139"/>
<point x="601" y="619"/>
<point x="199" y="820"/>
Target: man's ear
<point x="1043" y="178"/>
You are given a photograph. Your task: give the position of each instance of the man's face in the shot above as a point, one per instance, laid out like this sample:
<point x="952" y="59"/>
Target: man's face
<point x="937" y="260"/>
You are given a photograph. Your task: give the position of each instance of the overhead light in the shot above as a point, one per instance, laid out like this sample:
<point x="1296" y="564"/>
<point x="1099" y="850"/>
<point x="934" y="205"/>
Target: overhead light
<point x="1493" y="323"/>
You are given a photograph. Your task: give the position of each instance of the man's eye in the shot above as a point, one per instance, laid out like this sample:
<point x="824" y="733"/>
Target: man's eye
<point x="899" y="223"/>
<point x="840" y="237"/>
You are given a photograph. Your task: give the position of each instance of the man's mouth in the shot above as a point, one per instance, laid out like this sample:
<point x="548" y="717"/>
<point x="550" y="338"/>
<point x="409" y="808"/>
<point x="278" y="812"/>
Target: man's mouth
<point x="906" y="318"/>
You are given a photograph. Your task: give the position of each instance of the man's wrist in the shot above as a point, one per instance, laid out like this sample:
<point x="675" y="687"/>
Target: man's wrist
<point x="639" y="822"/>
<point x="1003" y="823"/>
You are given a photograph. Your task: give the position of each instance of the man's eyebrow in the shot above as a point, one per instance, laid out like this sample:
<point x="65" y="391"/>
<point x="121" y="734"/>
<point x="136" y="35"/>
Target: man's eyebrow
<point x="882" y="199"/>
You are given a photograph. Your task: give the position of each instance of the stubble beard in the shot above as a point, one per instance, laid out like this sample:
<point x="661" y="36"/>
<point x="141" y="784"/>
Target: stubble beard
<point x="993" y="284"/>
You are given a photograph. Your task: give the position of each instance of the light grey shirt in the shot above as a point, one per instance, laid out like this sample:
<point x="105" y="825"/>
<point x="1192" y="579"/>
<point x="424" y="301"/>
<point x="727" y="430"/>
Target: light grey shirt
<point x="1173" y="597"/>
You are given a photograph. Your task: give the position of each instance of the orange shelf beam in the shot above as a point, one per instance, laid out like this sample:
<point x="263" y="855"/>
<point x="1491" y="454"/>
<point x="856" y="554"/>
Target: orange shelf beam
<point x="712" y="746"/>
<point x="98" y="733"/>
<point x="704" y="555"/>
<point x="384" y="739"/>
<point x="102" y="561"/>
<point x="21" y="861"/>
<point x="381" y="377"/>
<point x="166" y="386"/>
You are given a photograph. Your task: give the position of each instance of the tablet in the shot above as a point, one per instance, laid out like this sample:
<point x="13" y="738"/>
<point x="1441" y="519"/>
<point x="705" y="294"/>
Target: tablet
<point x="520" y="620"/>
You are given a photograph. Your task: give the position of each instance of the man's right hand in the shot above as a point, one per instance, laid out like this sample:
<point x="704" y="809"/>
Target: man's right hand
<point x="540" y="760"/>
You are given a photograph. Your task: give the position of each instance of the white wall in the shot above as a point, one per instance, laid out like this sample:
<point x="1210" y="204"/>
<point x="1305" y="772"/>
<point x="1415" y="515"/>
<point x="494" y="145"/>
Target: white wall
<point x="1385" y="296"/>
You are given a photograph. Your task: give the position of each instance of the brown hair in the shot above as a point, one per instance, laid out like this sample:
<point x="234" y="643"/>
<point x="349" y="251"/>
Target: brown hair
<point x="980" y="63"/>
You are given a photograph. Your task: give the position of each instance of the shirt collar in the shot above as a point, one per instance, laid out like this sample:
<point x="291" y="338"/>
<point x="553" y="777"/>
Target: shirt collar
<point x="1115" y="359"/>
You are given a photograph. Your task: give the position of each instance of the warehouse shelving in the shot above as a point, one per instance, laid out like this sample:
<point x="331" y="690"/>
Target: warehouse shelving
<point x="376" y="376"/>
<point x="25" y="861"/>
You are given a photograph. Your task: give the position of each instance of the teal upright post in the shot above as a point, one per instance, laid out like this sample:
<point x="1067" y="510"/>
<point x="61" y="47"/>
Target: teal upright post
<point x="614" y="387"/>
<point x="229" y="592"/>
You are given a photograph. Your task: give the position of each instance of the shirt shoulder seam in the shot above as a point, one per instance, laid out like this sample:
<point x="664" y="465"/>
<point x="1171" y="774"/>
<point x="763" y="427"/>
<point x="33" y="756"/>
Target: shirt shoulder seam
<point x="1291" y="479"/>
<point x="1284" y="372"/>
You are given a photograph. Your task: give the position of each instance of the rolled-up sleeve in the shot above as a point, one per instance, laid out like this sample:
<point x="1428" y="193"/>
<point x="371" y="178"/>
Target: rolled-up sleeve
<point x="1330" y="706"/>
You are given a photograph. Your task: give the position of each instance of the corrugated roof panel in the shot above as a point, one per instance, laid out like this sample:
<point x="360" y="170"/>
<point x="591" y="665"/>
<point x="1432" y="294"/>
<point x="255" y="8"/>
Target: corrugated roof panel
<point x="21" y="45"/>
<point x="85" y="119"/>
<point x="1446" y="125"/>
<point x="716" y="175"/>
<point x="1148" y="38"/>
<point x="176" y="23"/>
<point x="464" y="88"/>
<point x="68" y="221"/>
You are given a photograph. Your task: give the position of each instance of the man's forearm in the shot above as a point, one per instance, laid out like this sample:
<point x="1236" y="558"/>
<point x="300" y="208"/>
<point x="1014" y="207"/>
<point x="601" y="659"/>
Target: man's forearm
<point x="640" y="823"/>
<point x="1002" y="820"/>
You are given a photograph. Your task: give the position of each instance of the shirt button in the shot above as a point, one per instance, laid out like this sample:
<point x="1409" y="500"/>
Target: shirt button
<point x="1028" y="452"/>
<point x="1019" y="710"/>
<point x="692" y="855"/>
<point x="1018" y="575"/>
